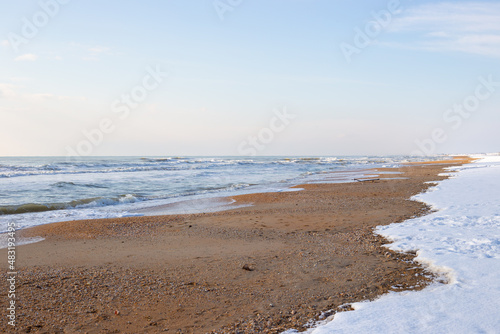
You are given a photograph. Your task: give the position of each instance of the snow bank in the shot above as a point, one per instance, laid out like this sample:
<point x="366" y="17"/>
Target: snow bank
<point x="462" y="241"/>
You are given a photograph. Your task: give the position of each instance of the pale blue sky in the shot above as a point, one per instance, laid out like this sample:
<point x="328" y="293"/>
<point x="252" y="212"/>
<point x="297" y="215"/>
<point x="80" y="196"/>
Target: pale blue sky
<point x="231" y="64"/>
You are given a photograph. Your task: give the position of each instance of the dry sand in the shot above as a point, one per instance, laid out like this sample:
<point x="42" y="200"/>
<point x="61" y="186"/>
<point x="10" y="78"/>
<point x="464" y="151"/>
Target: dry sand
<point x="261" y="269"/>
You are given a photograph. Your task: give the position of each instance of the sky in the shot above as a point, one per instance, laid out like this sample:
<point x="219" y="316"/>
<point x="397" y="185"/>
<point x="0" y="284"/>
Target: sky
<point x="241" y="77"/>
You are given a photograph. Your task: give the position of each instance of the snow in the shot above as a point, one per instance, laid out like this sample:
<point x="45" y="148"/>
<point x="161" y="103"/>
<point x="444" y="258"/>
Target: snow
<point x="461" y="241"/>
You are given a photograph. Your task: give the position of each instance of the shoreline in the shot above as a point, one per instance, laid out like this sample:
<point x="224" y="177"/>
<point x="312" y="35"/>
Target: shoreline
<point x="268" y="267"/>
<point x="101" y="191"/>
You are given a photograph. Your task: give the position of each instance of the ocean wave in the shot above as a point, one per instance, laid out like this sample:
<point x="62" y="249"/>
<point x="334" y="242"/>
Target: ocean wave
<point x="18" y="173"/>
<point x="30" y="207"/>
<point x="162" y="159"/>
<point x="76" y="204"/>
<point x="157" y="159"/>
<point x="162" y="164"/>
<point x="64" y="184"/>
<point x="95" y="202"/>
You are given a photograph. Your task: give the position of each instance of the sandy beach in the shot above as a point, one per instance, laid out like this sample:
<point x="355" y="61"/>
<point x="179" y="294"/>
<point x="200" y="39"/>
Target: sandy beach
<point x="290" y="258"/>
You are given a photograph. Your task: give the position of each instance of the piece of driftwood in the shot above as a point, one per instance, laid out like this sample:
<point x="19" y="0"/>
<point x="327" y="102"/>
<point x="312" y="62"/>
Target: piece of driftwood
<point x="366" y="180"/>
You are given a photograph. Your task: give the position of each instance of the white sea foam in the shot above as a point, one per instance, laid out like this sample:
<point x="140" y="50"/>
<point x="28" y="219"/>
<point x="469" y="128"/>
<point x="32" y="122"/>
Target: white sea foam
<point x="4" y="242"/>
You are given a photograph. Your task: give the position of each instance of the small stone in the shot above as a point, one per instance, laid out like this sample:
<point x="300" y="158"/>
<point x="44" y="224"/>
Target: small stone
<point x="247" y="267"/>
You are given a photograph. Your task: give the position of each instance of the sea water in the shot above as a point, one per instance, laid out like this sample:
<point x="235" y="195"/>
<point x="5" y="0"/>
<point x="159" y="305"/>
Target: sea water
<point x="40" y="190"/>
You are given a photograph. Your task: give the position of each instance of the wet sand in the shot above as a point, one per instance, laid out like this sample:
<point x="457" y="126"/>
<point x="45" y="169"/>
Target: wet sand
<point x="275" y="265"/>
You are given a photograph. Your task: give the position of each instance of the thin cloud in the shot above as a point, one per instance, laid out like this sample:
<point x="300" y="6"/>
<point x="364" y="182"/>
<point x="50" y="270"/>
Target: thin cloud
<point x="26" y="57"/>
<point x="92" y="53"/>
<point x="17" y="92"/>
<point x="7" y="90"/>
<point x="471" y="27"/>
<point x="20" y="79"/>
<point x="49" y="96"/>
<point x="99" y="50"/>
<point x="42" y="96"/>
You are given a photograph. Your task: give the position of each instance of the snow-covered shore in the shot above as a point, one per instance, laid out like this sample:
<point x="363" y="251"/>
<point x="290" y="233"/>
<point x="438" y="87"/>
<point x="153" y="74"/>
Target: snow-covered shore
<point x="461" y="240"/>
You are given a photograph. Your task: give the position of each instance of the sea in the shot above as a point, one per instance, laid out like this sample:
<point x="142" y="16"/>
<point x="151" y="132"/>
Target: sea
<point x="41" y="190"/>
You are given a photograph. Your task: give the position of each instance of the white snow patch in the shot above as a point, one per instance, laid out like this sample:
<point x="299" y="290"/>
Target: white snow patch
<point x="462" y="241"/>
